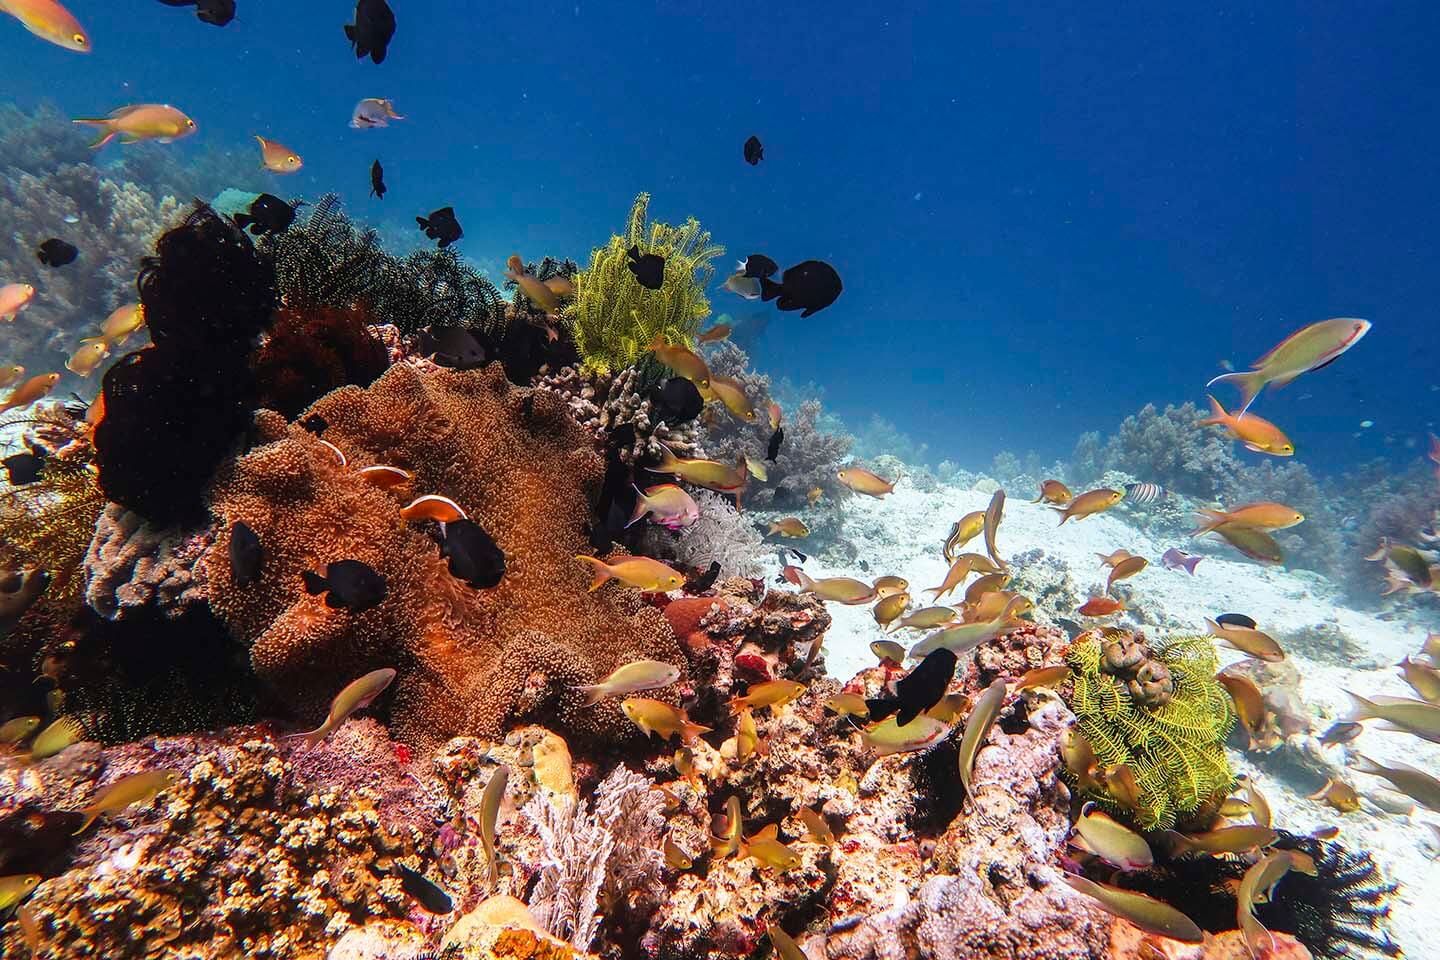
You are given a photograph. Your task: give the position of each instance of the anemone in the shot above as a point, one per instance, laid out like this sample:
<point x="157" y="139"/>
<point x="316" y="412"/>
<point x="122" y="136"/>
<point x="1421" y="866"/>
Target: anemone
<point x="613" y="318"/>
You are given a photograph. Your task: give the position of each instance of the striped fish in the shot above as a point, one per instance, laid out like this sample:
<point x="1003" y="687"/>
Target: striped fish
<point x="1144" y="492"/>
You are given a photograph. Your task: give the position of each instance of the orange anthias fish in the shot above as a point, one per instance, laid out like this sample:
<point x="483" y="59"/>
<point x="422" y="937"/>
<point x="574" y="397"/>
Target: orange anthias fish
<point x="655" y="717"/>
<point x="1053" y="491"/>
<point x="732" y="393"/>
<point x="1265" y="515"/>
<point x="11" y="374"/>
<point x="1101" y="607"/>
<point x="642" y="573"/>
<point x="1110" y="560"/>
<point x="1258" y="435"/>
<point x="721" y="331"/>
<point x="122" y="322"/>
<point x="87" y="357"/>
<point x="1125" y="569"/>
<point x="863" y="481"/>
<point x="31" y="390"/>
<point x="1308" y="348"/>
<point x="48" y="20"/>
<point x="704" y="473"/>
<point x="1255" y="544"/>
<point x="14" y="297"/>
<point x="1090" y="503"/>
<point x="775" y="419"/>
<point x="837" y="589"/>
<point x="684" y="362"/>
<point x="278" y="158"/>
<point x="142" y="121"/>
<point x="536" y="292"/>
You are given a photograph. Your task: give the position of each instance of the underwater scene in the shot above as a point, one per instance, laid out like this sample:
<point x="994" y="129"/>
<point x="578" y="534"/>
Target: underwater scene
<point x="664" y="481"/>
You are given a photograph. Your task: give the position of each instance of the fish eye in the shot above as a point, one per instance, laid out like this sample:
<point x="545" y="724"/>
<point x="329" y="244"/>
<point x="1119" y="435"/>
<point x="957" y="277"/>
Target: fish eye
<point x="79" y="38"/>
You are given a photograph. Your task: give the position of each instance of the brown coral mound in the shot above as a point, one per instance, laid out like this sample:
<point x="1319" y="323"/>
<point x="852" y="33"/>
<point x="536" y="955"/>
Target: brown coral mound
<point x="470" y="661"/>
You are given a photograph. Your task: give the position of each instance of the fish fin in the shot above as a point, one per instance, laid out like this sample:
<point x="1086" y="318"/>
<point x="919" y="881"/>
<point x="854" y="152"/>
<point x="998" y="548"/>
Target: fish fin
<point x="1381" y="552"/>
<point x="689" y="731"/>
<point x="424" y="224"/>
<point x="769" y="289"/>
<point x="602" y="572"/>
<point x="243" y="220"/>
<point x="1217" y="413"/>
<point x="1360" y="708"/>
<point x="768" y="832"/>
<point x="350" y="32"/>
<point x="91" y="815"/>
<point x="105" y="137"/>
<point x="594" y="693"/>
<point x="1213" y="519"/>
<point x="641" y="507"/>
<point x="1253" y="448"/>
<point x="314" y="583"/>
<point x="1250" y="383"/>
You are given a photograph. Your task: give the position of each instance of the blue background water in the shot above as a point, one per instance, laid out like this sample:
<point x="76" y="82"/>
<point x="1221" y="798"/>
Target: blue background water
<point x="1045" y="217"/>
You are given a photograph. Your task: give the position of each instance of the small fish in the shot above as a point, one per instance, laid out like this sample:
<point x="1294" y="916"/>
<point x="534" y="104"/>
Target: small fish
<point x="634" y="677"/>
<point x="1237" y="839"/>
<point x="1258" y="435"/>
<point x="888" y="586"/>
<point x="472" y="555"/>
<point x="1307" y="349"/>
<point x="661" y="719"/>
<point x="1249" y="702"/>
<point x="648" y="268"/>
<point x="774" y="412"/>
<point x="683" y="361"/>
<point x="23" y="469"/>
<point x="810" y="286"/>
<point x="1413" y="716"/>
<point x="87" y="358"/>
<point x="1038" y="677"/>
<point x="986" y="584"/>
<point x="1339" y="795"/>
<point x="11" y="374"/>
<point x="993" y="514"/>
<point x="1100" y="607"/>
<point x="742" y="286"/>
<point x="1255" y="544"/>
<point x="848" y="705"/>
<point x="1252" y="642"/>
<point x="142" y="121"/>
<point x="268" y="214"/>
<point x="336" y="452"/>
<point x="1329" y="832"/>
<point x="1256" y="885"/>
<point x="1345" y="731"/>
<point x="372" y="30"/>
<point x="977" y="729"/>
<point x="771" y="693"/>
<point x="666" y="504"/>
<point x="732" y="393"/>
<point x="432" y="506"/>
<point x="1236" y="620"/>
<point x="927" y="618"/>
<point x="772" y="449"/>
<point x="950" y="708"/>
<point x="704" y="581"/>
<point x="14" y="297"/>
<point x="1143" y="492"/>
<point x="717" y="333"/>
<point x="1110" y="559"/>
<point x="754" y="151"/>
<point x="1423" y="679"/>
<point x="1407" y="569"/>
<point x="1147" y="913"/>
<point x="684" y="760"/>
<point x="1090" y="503"/>
<point x="758" y="266"/>
<point x="214" y="12"/>
<point x="675" y="858"/>
<point x="15" y="888"/>
<point x="766" y="848"/>
<point x="17" y="729"/>
<point x="356" y="695"/>
<point x="756" y="470"/>
<point x="789" y="527"/>
<point x="348" y="585"/>
<point x="642" y="573"/>
<point x="377" y="181"/>
<point x="385" y="477"/>
<point x="1177" y="559"/>
<point x="123" y="321"/>
<point x="889" y="737"/>
<point x="490" y="802"/>
<point x="890" y="608"/>
<point x="817" y="827"/>
<point x="1079" y="758"/>
<point x="747" y="736"/>
<point x="955" y="576"/>
<point x="1111" y="841"/>
<point x="1119" y="780"/>
<point x="373" y="112"/>
<point x="423" y="891"/>
<point x="48" y="20"/>
<point x="1265" y="515"/>
<point x="1124" y="570"/>
<point x="19" y="589"/>
<point x="813" y="495"/>
<point x="1053" y="491"/>
<point x="845" y="590"/>
<point x="56" y="253"/>
<point x="441" y="226"/>
<point x="964" y="530"/>
<point x="863" y="481"/>
<point x="677" y="400"/>
<point x="918" y="690"/>
<point x="278" y="158"/>
<point x="888" y="650"/>
<point x="1259" y="806"/>
<point x="535" y="291"/>
<point x="61" y="733"/>
<point x="247" y="557"/>
<point x="136" y="788"/>
<point x="1418" y="785"/>
<point x="728" y="842"/>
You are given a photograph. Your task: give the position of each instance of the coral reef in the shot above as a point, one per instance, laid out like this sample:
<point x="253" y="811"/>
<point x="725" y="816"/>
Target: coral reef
<point x="130" y="563"/>
<point x="721" y="535"/>
<point x="613" y="318"/>
<point x="1166" y="447"/>
<point x="308" y="354"/>
<point x="604" y="402"/>
<point x="469" y="661"/>
<point x="1158" y="710"/>
<point x="47" y="525"/>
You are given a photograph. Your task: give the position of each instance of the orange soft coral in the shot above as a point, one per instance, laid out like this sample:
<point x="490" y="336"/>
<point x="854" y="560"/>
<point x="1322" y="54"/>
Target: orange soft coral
<point x="470" y="661"/>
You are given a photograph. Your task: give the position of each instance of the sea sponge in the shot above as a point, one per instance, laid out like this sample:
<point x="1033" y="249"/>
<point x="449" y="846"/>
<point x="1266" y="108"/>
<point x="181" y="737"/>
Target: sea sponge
<point x="613" y="318"/>
<point x="1159" y="710"/>
<point x="470" y="661"/>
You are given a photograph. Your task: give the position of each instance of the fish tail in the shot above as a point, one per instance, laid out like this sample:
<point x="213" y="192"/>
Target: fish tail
<point x="314" y="583"/>
<point x="1365" y="765"/>
<point x="594" y="693"/>
<point x="105" y="137"/>
<point x="1064" y="514"/>
<point x="602" y="572"/>
<point x="1217" y="413"/>
<point x="1249" y="383"/>
<point x="1213" y="519"/>
<point x="1360" y="708"/>
<point x="642" y="507"/>
<point x="769" y="289"/>
<point x="689" y="731"/>
<point x="1381" y="552"/>
<point x="91" y="814"/>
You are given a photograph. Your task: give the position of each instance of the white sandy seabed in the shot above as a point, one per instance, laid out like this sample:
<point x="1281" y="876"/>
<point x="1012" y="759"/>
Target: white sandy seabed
<point x="902" y="534"/>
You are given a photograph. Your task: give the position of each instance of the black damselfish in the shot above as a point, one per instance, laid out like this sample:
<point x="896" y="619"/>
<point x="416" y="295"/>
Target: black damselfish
<point x="268" y="214"/>
<point x="754" y="151"/>
<point x="347" y="584"/>
<point x="810" y="286"/>
<point x="377" y="181"/>
<point x="372" y="31"/>
<point x="24" y="468"/>
<point x="757" y="266"/>
<point x="649" y="268"/>
<point x="247" y="557"/>
<point x="442" y="226"/>
<point x="703" y="582"/>
<point x="56" y="253"/>
<point x="315" y="424"/>
<point x="425" y="893"/>
<point x="677" y="400"/>
<point x="918" y="690"/>
<point x="214" y="12"/>
<point x="473" y="554"/>
<point x="453" y="347"/>
<point x="776" y="438"/>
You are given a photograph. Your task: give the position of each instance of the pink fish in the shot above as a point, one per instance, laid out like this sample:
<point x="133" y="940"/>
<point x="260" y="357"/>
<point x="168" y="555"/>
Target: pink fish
<point x="1176" y="559"/>
<point x="668" y="505"/>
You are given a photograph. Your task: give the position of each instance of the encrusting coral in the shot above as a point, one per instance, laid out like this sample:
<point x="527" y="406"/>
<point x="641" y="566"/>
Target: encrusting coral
<point x="1159" y="710"/>
<point x="613" y="318"/>
<point x="469" y="660"/>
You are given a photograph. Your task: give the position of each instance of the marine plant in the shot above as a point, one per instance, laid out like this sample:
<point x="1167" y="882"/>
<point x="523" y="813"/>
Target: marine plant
<point x="1158" y="710"/>
<point x="48" y="524"/>
<point x="613" y="318"/>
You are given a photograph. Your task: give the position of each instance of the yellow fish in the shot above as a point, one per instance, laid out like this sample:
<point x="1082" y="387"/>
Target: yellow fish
<point x="675" y="858"/>
<point x="278" y="158"/>
<point x="889" y="737"/>
<point x="1054" y="492"/>
<point x="986" y="584"/>
<point x="1090" y="503"/>
<point x="1147" y="913"/>
<point x="1125" y="569"/>
<point x="889" y="586"/>
<point x="848" y="705"/>
<point x="888" y="650"/>
<point x="836" y="589"/>
<point x="490" y="802"/>
<point x="1308" y="348"/>
<point x="64" y="732"/>
<point x="721" y="331"/>
<point x="642" y="573"/>
<point x="817" y="827"/>
<point x="136" y="788"/>
<point x="729" y="841"/>
<point x="13" y="731"/>
<point x="1424" y="680"/>
<point x="789" y="527"/>
<point x="1265" y="515"/>
<point x="955" y="576"/>
<point x="703" y="473"/>
<point x="927" y="618"/>
<point x="87" y="357"/>
<point x="14" y="889"/>
<point x="48" y="20"/>
<point x="1257" y="434"/>
<point x="141" y="121"/>
<point x="684" y="362"/>
<point x="356" y="695"/>
<point x="889" y="608"/>
<point x="964" y="530"/>
<point x="1111" y="841"/>
<point x="656" y="718"/>
<point x="536" y="292"/>
<point x="36" y="388"/>
<point x="747" y="737"/>
<point x="814" y="495"/>
<point x="732" y="393"/>
<point x="1258" y="881"/>
<point x="977" y="728"/>
<point x="122" y="322"/>
<point x="11" y="374"/>
<point x="1109" y="560"/>
<point x="1039" y="677"/>
<point x="771" y="693"/>
<point x="766" y="847"/>
<point x="993" y="514"/>
<point x="785" y="947"/>
<point x="863" y="481"/>
<point x="634" y="677"/>
<point x="1237" y="839"/>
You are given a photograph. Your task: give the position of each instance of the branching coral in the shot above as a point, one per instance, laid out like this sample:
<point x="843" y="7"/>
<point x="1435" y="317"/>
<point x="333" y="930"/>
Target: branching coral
<point x="1166" y="447"/>
<point x="721" y="535"/>
<point x="1161" y="712"/>
<point x="603" y="402"/>
<point x="613" y="318"/>
<point x="469" y="660"/>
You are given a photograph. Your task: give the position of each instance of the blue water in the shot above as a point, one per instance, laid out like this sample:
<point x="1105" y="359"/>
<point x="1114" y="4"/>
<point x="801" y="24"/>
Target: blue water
<point x="1045" y="217"/>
